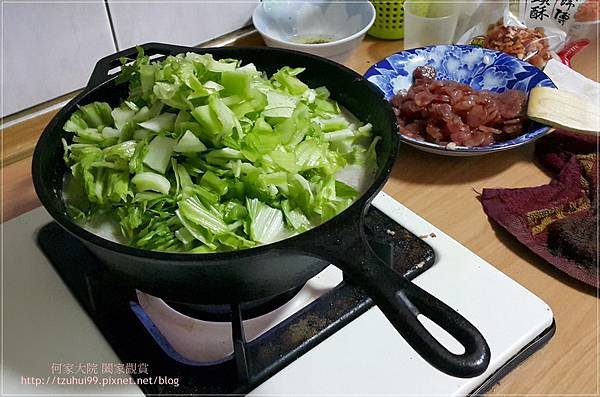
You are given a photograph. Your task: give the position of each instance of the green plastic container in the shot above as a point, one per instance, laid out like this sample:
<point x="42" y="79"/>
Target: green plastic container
<point x="389" y="20"/>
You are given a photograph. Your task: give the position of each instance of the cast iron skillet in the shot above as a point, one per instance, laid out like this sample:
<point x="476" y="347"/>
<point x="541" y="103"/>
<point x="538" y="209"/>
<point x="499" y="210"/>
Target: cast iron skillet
<point x="232" y="277"/>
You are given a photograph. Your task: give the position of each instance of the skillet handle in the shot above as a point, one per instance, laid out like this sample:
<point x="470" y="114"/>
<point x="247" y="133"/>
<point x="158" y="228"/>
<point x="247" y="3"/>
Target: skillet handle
<point x="104" y="65"/>
<point x="344" y="244"/>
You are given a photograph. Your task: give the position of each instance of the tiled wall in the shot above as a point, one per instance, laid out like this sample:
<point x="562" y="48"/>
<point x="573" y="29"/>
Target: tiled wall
<point x="187" y="23"/>
<point x="50" y="48"/>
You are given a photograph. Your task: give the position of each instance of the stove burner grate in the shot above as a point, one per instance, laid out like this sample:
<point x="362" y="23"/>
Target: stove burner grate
<point x="224" y="313"/>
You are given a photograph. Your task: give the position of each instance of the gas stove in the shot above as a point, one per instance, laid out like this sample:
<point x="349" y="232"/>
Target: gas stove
<point x="321" y="338"/>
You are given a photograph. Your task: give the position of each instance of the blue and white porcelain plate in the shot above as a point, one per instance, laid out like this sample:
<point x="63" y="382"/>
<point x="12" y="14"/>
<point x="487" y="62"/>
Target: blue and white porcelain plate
<point x="477" y="67"/>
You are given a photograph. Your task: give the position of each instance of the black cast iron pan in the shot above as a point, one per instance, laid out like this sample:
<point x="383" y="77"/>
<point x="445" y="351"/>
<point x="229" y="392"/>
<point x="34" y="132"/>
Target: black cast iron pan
<point x="232" y="277"/>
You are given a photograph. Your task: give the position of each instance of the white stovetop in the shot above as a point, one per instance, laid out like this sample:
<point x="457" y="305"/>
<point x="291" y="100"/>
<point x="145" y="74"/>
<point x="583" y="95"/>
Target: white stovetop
<point x="43" y="324"/>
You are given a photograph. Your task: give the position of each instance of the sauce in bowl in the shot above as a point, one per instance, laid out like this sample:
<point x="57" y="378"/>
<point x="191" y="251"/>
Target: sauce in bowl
<point x="313" y="39"/>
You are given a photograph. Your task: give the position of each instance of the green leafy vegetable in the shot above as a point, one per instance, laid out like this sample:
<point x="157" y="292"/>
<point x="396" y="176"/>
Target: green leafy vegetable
<point x="151" y="181"/>
<point x="159" y="153"/>
<point x="207" y="155"/>
<point x="266" y="223"/>
<point x="189" y="143"/>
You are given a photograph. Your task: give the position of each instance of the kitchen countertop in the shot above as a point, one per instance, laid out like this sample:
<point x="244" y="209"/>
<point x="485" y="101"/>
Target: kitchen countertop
<point x="443" y="190"/>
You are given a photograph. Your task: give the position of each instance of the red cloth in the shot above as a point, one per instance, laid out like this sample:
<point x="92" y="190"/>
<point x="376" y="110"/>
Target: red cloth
<point x="526" y="213"/>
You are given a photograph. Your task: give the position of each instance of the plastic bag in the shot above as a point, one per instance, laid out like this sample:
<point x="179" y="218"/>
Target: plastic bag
<point x="533" y="30"/>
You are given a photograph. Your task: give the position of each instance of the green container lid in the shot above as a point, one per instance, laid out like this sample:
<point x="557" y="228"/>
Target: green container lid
<point x="389" y="20"/>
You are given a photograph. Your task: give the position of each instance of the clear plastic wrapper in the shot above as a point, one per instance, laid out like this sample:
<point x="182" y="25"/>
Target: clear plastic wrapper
<point x="533" y="30"/>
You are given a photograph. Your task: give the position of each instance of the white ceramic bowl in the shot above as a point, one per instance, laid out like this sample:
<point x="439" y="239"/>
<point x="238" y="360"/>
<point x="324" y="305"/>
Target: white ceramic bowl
<point x="338" y="26"/>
